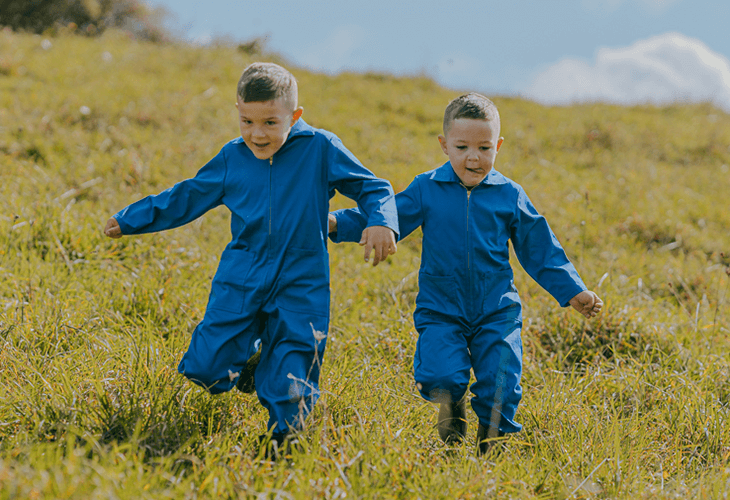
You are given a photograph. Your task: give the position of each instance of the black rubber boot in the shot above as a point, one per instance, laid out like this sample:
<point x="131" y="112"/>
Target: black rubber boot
<point x="246" y="382"/>
<point x="452" y="421"/>
<point x="488" y="439"/>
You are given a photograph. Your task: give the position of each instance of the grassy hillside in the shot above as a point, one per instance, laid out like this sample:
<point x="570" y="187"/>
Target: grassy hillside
<point x="633" y="404"/>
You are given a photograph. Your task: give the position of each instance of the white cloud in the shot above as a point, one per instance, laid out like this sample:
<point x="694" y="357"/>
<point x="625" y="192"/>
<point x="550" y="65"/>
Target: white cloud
<point x="335" y="52"/>
<point x="662" y="69"/>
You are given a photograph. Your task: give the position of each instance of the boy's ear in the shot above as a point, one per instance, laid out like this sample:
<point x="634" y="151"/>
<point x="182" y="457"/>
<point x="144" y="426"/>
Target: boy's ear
<point x="442" y="141"/>
<point x="499" y="143"/>
<point x="297" y="114"/>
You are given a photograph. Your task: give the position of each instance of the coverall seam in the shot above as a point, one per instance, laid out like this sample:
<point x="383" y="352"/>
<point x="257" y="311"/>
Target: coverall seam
<point x="515" y="220"/>
<point x="225" y="172"/>
<point x="539" y="217"/>
<point x="331" y="144"/>
<point x="327" y="170"/>
<point x="420" y="204"/>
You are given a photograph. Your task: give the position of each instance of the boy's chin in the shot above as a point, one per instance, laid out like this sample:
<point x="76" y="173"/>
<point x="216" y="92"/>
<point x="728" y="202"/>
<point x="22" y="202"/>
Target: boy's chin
<point x="262" y="154"/>
<point x="473" y="180"/>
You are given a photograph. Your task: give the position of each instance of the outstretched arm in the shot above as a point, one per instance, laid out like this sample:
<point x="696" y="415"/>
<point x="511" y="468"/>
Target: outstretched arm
<point x="541" y="255"/>
<point x="184" y="202"/>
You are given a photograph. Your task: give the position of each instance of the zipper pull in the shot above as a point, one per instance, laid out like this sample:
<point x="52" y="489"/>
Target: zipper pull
<point x="271" y="160"/>
<point x="468" y="191"/>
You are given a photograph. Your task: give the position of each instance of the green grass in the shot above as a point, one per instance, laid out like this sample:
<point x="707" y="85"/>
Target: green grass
<point x="633" y="404"/>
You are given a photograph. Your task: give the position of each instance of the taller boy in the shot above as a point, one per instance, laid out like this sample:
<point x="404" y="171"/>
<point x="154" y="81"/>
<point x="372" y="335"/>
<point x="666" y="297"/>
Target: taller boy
<point x="272" y="282"/>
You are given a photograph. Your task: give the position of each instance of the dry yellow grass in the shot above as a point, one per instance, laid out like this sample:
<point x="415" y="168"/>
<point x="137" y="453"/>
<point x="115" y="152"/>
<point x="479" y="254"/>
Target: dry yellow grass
<point x="631" y="405"/>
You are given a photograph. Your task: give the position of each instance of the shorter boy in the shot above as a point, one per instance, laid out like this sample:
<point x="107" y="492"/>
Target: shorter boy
<point x="468" y="313"/>
<point x="272" y="284"/>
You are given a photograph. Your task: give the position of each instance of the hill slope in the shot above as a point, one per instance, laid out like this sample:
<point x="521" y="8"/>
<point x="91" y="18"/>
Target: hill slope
<point x="632" y="403"/>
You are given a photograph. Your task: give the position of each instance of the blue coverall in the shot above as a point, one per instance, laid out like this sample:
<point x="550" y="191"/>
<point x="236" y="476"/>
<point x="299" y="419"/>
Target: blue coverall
<point x="272" y="282"/>
<point x="468" y="313"/>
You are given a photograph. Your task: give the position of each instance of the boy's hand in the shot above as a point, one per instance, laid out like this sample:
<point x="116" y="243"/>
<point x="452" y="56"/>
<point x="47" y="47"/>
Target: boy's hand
<point x="331" y="223"/>
<point x="381" y="240"/>
<point x="587" y="303"/>
<point x="112" y="229"/>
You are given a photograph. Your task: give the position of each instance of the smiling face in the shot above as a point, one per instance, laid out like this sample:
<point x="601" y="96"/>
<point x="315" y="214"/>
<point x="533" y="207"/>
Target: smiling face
<point x="265" y="125"/>
<point x="471" y="145"/>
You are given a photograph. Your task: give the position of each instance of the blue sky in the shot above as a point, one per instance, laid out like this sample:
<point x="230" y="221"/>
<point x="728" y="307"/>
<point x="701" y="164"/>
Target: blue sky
<point x="550" y="50"/>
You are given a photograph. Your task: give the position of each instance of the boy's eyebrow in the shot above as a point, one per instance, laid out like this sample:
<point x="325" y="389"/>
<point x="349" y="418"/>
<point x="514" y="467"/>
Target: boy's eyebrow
<point x="272" y="117"/>
<point x="480" y="142"/>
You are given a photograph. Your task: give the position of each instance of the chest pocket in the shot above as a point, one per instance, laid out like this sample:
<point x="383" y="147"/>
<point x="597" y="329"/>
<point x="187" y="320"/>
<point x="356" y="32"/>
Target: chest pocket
<point x="227" y="292"/>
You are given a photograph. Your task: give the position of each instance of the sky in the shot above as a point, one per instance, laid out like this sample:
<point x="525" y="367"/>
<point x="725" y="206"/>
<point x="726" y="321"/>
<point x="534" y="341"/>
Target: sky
<point x="551" y="51"/>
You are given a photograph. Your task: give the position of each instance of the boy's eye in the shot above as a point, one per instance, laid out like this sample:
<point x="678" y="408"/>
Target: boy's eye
<point x="270" y="123"/>
<point x="461" y="147"/>
<point x="247" y="122"/>
<point x="485" y="148"/>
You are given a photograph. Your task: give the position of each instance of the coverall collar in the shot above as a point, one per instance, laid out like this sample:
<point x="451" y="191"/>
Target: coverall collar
<point x="445" y="173"/>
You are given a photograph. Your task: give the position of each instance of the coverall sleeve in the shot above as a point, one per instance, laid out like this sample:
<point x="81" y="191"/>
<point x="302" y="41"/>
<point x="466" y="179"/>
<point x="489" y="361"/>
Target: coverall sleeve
<point x="541" y="255"/>
<point x="351" y="222"/>
<point x="374" y="196"/>
<point x="184" y="202"/>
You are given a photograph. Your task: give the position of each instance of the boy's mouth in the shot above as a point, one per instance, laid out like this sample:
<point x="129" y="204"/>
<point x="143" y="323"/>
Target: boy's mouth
<point x="261" y="146"/>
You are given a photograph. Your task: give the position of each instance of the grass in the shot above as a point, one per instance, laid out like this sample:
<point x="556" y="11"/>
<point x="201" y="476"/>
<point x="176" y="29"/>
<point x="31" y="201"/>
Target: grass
<point x="633" y="404"/>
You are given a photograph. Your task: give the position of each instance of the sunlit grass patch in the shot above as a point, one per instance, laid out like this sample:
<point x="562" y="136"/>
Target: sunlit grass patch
<point x="631" y="404"/>
<point x="566" y="341"/>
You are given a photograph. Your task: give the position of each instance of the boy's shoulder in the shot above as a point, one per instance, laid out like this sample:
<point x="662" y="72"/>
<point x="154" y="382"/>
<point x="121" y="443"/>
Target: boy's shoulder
<point x="444" y="173"/>
<point x="303" y="128"/>
<point x="499" y="179"/>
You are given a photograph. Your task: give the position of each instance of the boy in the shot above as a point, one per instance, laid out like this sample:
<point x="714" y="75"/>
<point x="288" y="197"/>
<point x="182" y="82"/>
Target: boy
<point x="468" y="314"/>
<point x="272" y="283"/>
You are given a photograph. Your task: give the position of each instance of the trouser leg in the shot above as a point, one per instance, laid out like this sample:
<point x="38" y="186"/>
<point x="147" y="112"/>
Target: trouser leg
<point x="496" y="357"/>
<point x="441" y="364"/>
<point x="219" y="348"/>
<point x="287" y="377"/>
